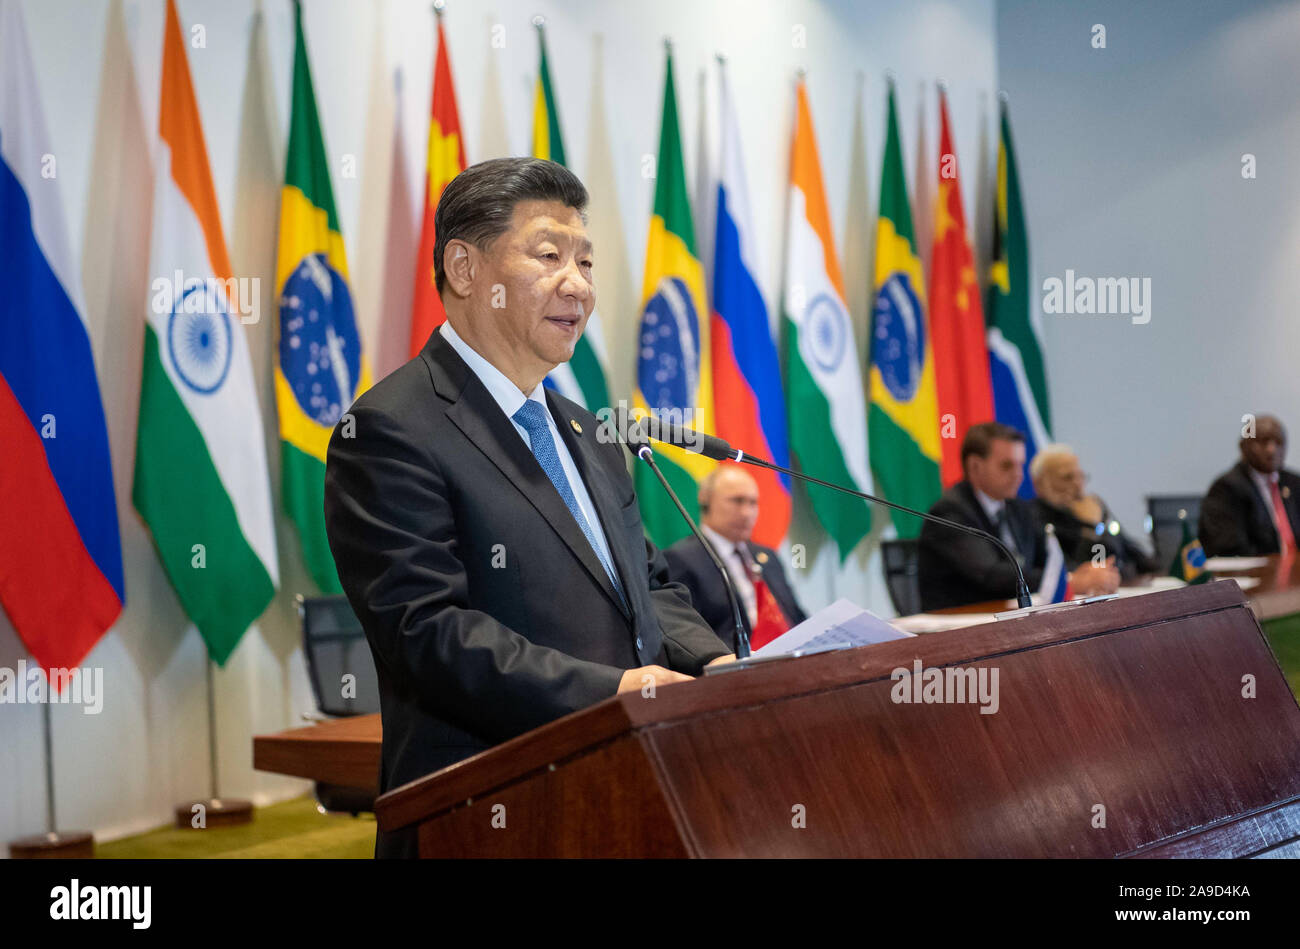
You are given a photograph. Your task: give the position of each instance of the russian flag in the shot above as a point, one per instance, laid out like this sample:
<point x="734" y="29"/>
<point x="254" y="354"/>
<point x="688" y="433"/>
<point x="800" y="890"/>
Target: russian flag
<point x="60" y="553"/>
<point x="748" y="402"/>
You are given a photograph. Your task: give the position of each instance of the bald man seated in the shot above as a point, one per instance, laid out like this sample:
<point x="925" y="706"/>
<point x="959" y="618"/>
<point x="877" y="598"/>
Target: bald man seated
<point x="1253" y="508"/>
<point x="1085" y="527"/>
<point x="728" y="511"/>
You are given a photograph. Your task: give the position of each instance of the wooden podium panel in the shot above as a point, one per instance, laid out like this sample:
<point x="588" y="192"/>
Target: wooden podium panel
<point x="1135" y="706"/>
<point x="341" y="751"/>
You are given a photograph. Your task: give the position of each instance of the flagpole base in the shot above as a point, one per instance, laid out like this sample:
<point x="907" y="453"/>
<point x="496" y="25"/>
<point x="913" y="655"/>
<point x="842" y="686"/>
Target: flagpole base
<point x="215" y="812"/>
<point x="69" y="845"/>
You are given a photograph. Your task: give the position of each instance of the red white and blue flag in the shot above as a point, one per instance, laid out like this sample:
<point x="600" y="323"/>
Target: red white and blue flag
<point x="748" y="402"/>
<point x="60" y="553"/>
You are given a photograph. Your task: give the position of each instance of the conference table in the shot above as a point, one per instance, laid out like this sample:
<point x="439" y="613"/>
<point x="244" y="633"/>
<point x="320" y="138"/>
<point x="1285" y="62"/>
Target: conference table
<point x="345" y="751"/>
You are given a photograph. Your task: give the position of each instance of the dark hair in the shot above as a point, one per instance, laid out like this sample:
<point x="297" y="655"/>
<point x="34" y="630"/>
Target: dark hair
<point x="478" y="204"/>
<point x="979" y="439"/>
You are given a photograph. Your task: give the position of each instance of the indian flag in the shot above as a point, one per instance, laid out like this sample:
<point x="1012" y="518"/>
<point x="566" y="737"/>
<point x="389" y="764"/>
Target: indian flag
<point x="320" y="369"/>
<point x="582" y="378"/>
<point x="904" y="417"/>
<point x="827" y="408"/>
<point x="674" y="375"/>
<point x="201" y="479"/>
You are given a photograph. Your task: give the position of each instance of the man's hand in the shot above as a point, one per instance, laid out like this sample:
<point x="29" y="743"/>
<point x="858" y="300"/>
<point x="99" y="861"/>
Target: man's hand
<point x="634" y="679"/>
<point x="730" y="657"/>
<point x="1091" y="580"/>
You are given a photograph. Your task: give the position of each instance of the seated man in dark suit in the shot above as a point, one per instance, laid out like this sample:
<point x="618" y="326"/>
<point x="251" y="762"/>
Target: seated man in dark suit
<point x="728" y="511"/>
<point x="1253" y="508"/>
<point x="1084" y="525"/>
<point x="485" y="529"/>
<point x="956" y="568"/>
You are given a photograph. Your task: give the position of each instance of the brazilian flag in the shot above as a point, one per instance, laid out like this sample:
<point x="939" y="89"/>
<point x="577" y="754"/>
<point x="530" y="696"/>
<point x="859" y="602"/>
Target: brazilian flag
<point x="320" y="368"/>
<point x="674" y="378"/>
<point x="1189" y="562"/>
<point x="903" y="418"/>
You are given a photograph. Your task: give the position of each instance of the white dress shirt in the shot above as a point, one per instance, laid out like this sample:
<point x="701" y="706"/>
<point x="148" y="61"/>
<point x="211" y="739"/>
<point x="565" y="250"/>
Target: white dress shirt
<point x="511" y="399"/>
<point x="993" y="508"/>
<point x="739" y="571"/>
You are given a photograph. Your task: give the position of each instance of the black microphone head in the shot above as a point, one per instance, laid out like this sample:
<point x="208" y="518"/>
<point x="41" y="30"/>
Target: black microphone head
<point x="617" y="424"/>
<point x="688" y="439"/>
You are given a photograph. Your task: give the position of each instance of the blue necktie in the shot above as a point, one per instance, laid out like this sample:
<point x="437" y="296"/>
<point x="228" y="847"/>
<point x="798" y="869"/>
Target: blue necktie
<point x="532" y="417"/>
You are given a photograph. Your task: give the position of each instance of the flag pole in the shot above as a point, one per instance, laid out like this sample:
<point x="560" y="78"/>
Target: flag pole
<point x="77" y="844"/>
<point x="213" y="811"/>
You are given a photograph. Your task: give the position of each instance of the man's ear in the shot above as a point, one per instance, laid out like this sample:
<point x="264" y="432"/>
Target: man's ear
<point x="458" y="267"/>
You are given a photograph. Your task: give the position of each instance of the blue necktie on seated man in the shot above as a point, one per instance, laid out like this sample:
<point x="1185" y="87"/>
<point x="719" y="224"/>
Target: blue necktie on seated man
<point x="532" y="417"/>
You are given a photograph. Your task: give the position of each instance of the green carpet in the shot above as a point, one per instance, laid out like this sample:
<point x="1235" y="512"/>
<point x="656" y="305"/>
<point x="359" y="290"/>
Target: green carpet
<point x="293" y="829"/>
<point x="1284" y="635"/>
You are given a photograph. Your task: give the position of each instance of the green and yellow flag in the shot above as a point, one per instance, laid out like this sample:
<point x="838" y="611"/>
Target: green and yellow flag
<point x="582" y="378"/>
<point x="320" y="369"/>
<point x="1189" y="562"/>
<point x="903" y="420"/>
<point x="674" y="370"/>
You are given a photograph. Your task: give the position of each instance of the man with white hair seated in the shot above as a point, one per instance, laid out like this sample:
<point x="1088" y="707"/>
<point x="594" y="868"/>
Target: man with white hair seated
<point x="1082" y="521"/>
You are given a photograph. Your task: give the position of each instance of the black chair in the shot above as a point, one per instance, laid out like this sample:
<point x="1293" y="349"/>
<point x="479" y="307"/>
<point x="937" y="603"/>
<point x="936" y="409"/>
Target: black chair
<point x="1165" y="515"/>
<point x="901" y="577"/>
<point x="343" y="680"/>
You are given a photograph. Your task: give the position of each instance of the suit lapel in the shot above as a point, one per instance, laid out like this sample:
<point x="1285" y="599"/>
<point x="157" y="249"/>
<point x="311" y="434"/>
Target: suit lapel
<point x="479" y="417"/>
<point x="601" y="492"/>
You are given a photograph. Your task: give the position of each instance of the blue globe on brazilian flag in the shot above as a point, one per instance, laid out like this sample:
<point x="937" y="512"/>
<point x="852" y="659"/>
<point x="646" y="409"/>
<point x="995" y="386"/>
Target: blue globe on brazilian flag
<point x="320" y="368"/>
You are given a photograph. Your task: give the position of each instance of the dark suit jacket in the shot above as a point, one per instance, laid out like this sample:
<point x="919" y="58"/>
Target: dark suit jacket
<point x="955" y="568"/>
<point x="486" y="609"/>
<point x="1078" y="537"/>
<point x="689" y="563"/>
<point x="1235" y="521"/>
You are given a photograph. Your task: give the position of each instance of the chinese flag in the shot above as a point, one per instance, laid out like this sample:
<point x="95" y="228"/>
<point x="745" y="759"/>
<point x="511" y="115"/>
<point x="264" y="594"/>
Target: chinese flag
<point x="963" y="385"/>
<point x="446" y="159"/>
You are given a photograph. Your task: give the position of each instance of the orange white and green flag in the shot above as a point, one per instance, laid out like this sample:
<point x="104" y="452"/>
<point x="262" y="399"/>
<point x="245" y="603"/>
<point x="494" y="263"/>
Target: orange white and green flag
<point x="201" y="480"/>
<point x="824" y="394"/>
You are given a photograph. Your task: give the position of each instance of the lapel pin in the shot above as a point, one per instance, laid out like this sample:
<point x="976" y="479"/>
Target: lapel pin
<point x="1286" y="491"/>
<point x="761" y="556"/>
<point x="576" y="427"/>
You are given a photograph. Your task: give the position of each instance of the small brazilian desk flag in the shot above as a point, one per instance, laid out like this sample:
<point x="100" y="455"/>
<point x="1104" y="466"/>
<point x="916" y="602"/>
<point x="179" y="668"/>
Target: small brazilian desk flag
<point x="320" y="368"/>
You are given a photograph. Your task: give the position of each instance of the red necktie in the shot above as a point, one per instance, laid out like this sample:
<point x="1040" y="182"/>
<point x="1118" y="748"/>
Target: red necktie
<point x="1286" y="539"/>
<point x="771" y="622"/>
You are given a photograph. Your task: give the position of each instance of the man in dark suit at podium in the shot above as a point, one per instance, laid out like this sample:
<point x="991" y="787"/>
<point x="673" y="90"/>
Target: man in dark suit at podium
<point x="485" y="529"/>
<point x="1253" y="508"/>
<point x="728" y="512"/>
<point x="956" y="568"/>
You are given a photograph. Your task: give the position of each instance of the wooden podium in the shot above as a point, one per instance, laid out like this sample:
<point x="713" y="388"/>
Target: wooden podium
<point x="1157" y="725"/>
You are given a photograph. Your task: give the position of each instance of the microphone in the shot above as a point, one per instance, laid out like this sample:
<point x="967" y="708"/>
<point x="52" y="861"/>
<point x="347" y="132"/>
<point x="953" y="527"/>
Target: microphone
<point x="710" y="446"/>
<point x="635" y="437"/>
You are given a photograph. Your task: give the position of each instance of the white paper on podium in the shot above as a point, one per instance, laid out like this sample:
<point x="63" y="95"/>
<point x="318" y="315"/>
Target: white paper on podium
<point x="843" y="624"/>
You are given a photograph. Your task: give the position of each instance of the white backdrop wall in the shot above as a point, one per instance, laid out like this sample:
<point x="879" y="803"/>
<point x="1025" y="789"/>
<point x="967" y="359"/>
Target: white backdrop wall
<point x="1131" y="162"/>
<point x="98" y="66"/>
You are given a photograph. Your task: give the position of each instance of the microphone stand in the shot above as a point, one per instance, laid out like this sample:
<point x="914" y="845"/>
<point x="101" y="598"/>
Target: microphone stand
<point x="742" y="638"/>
